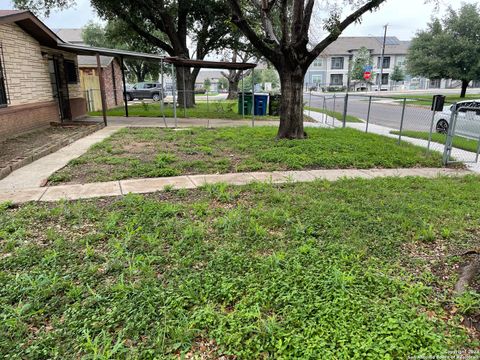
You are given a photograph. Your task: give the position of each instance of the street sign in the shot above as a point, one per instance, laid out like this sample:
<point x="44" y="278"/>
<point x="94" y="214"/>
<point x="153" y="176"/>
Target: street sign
<point x="368" y="68"/>
<point x="367" y="75"/>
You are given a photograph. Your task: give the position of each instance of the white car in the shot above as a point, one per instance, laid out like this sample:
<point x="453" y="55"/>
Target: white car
<point x="468" y="121"/>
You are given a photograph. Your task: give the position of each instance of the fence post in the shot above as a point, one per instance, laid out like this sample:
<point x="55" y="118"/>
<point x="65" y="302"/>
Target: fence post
<point x="401" y="120"/>
<point x="431" y="124"/>
<point x="253" y="97"/>
<point x="449" y="142"/>
<point x="185" y="94"/>
<point x="334" y="102"/>
<point x="174" y="89"/>
<point x="478" y="151"/>
<point x="368" y="113"/>
<point x="345" y="109"/>
<point x="310" y="102"/>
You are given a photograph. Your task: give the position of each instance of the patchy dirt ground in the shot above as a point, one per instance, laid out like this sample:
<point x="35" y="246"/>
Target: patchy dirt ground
<point x="27" y="144"/>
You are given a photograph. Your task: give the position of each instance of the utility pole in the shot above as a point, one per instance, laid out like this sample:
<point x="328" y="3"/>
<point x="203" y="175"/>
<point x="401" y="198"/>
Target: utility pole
<point x="381" y="59"/>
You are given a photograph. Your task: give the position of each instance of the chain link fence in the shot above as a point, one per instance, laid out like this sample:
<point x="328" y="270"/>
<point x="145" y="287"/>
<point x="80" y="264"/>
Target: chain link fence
<point x="407" y="119"/>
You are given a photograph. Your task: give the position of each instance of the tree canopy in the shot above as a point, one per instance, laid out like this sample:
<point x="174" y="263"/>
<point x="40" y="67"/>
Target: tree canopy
<point x="449" y="47"/>
<point x="362" y="58"/>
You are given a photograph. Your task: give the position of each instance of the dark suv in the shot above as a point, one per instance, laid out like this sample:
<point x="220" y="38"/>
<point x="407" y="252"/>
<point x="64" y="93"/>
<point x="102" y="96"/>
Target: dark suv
<point x="145" y="90"/>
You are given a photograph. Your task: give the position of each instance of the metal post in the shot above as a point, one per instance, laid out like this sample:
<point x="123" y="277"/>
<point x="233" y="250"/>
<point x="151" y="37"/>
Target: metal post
<point x="174" y="89"/>
<point x="124" y="86"/>
<point x="401" y="120"/>
<point x="478" y="151"/>
<point x="184" y="94"/>
<point x="310" y="102"/>
<point x="324" y="106"/>
<point x="243" y="98"/>
<point x="253" y="97"/>
<point x="449" y="142"/>
<point x="102" y="89"/>
<point x="368" y="113"/>
<point x="431" y="124"/>
<point x="334" y="102"/>
<point x="162" y="104"/>
<point x="345" y="109"/>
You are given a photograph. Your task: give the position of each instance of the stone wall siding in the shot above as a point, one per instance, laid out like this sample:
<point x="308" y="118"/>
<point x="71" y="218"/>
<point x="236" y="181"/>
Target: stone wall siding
<point x="17" y="119"/>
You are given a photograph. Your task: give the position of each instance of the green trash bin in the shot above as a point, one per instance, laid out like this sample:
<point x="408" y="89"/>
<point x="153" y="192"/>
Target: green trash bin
<point x="274" y="105"/>
<point x="247" y="103"/>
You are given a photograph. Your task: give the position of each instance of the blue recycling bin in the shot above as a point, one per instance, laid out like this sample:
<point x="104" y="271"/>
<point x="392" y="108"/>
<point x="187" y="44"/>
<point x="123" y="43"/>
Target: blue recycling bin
<point x="260" y="106"/>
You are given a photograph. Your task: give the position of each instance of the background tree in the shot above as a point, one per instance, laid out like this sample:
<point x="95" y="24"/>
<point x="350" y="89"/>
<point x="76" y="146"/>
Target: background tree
<point x="117" y="35"/>
<point x="449" y="48"/>
<point x="284" y="39"/>
<point x="362" y="59"/>
<point x="207" y="84"/>
<point x="204" y="22"/>
<point x="397" y="75"/>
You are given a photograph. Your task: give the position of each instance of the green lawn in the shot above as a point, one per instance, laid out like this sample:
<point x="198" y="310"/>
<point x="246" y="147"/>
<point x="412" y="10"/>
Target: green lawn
<point x="426" y="99"/>
<point x="334" y="114"/>
<point x="155" y="152"/>
<point x="223" y="109"/>
<point x="458" y="141"/>
<point x="357" y="269"/>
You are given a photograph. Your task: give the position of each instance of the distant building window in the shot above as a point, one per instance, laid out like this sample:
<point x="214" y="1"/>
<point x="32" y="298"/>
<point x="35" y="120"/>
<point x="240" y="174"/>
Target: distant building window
<point x="336" y="79"/>
<point x="70" y="71"/>
<point x="337" y="63"/>
<point x="386" y="62"/>
<point x="317" y="79"/>
<point x="385" y="78"/>
<point x="318" y="62"/>
<point x="3" y="88"/>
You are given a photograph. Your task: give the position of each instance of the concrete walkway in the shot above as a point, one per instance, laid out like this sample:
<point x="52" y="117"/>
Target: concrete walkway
<point x="122" y="187"/>
<point x="459" y="154"/>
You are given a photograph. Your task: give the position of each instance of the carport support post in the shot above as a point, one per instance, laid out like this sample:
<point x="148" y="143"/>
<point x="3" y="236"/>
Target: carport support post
<point x="401" y="120"/>
<point x="253" y="97"/>
<point x="184" y="94"/>
<point x="124" y="86"/>
<point x="174" y="89"/>
<point x="368" y="113"/>
<point x="102" y="89"/>
<point x="345" y="109"/>
<point x="162" y="105"/>
<point x="431" y="124"/>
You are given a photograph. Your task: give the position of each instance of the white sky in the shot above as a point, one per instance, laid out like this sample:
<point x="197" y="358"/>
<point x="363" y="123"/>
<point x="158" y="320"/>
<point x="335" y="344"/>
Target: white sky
<point x="404" y="17"/>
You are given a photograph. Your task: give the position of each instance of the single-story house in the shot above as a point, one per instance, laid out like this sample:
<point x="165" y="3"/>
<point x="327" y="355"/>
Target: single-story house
<point x="39" y="81"/>
<point x="89" y="79"/>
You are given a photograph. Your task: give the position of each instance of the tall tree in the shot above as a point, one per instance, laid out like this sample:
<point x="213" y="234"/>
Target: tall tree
<point x="204" y="21"/>
<point x="116" y="34"/>
<point x="449" y="48"/>
<point x="285" y="41"/>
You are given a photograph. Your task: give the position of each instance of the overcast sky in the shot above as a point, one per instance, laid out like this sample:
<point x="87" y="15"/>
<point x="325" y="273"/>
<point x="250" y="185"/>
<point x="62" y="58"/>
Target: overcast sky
<point x="404" y="17"/>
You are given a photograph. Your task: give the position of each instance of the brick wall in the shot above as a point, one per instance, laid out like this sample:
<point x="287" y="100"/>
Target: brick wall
<point x="113" y="88"/>
<point x="78" y="107"/>
<point x="21" y="118"/>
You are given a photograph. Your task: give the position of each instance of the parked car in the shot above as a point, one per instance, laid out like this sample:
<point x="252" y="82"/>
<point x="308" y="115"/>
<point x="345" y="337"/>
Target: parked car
<point x="468" y="121"/>
<point x="145" y="90"/>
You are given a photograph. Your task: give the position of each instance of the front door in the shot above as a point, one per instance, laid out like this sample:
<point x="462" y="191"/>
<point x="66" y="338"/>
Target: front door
<point x="60" y="86"/>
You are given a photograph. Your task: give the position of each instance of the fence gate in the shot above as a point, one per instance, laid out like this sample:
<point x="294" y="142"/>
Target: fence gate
<point x="463" y="135"/>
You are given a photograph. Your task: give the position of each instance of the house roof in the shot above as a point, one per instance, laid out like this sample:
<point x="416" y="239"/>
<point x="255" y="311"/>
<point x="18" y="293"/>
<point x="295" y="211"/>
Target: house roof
<point x="73" y="36"/>
<point x="345" y="45"/>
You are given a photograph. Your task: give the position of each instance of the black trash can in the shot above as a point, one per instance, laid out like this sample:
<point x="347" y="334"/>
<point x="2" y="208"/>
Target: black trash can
<point x="274" y="105"/>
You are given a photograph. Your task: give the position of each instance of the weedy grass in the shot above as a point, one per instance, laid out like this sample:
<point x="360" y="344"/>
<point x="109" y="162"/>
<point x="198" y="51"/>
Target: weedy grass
<point x="314" y="271"/>
<point x="155" y="152"/>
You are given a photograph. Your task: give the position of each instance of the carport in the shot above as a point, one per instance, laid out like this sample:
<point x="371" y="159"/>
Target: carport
<point x="176" y="63"/>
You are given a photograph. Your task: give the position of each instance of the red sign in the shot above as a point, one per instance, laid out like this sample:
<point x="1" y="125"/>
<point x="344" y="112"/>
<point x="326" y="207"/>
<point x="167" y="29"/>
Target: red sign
<point x="367" y="75"/>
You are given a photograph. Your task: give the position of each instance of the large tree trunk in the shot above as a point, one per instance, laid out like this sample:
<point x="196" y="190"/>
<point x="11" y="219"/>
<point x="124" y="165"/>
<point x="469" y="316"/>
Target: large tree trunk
<point x="232" y="89"/>
<point x="185" y="87"/>
<point x="464" y="88"/>
<point x="291" y="106"/>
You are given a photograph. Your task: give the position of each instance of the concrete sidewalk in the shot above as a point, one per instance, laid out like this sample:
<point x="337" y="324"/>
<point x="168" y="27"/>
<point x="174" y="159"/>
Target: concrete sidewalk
<point x="122" y="187"/>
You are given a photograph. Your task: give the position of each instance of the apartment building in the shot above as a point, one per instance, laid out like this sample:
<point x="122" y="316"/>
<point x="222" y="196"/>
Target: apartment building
<point x="331" y="68"/>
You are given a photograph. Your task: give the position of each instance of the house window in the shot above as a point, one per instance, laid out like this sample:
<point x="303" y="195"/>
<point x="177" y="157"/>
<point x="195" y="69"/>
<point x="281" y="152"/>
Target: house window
<point x="3" y="88"/>
<point x="336" y="79"/>
<point x="70" y="71"/>
<point x="337" y="63"/>
<point x="386" y="62"/>
<point x="318" y="62"/>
